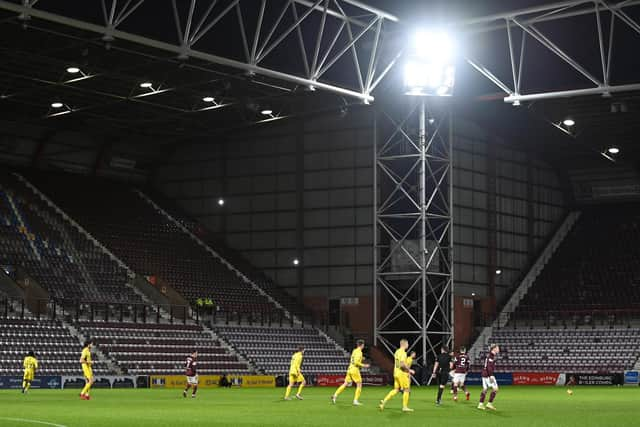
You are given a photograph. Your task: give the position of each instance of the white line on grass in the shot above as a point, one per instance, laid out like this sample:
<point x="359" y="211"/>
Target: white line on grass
<point x="24" y="420"/>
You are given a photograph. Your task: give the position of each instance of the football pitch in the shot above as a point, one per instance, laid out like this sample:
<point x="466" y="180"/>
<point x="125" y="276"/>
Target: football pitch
<point x="517" y="406"/>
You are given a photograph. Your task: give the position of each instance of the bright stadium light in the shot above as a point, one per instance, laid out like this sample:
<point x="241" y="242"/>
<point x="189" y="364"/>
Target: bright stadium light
<point x="613" y="150"/>
<point x="221" y="202"/>
<point x="73" y="70"/>
<point x="296" y="261"/>
<point x="266" y="112"/>
<point x="57" y="105"/>
<point x="568" y="122"/>
<point x="208" y="99"/>
<point x="430" y="67"/>
<point x="146" y="85"/>
<point x="498" y="272"/>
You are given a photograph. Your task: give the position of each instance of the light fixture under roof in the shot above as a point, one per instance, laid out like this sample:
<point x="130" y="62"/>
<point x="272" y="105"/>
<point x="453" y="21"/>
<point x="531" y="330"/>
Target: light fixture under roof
<point x="221" y="202"/>
<point x="57" y="104"/>
<point x="569" y="122"/>
<point x="266" y="112"/>
<point x="146" y="85"/>
<point x="73" y="70"/>
<point x="296" y="261"/>
<point x="613" y="150"/>
<point x="498" y="272"/>
<point x="208" y="99"/>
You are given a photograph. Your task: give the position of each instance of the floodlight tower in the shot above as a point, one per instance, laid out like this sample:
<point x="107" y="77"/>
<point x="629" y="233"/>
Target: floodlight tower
<point x="413" y="238"/>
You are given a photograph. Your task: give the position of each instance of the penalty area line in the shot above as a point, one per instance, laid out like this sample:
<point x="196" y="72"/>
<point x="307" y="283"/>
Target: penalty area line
<point x="27" y="421"/>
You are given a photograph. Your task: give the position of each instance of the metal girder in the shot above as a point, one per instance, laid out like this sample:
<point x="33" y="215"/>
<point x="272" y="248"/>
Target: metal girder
<point x="413" y="236"/>
<point x="525" y="23"/>
<point x="267" y="39"/>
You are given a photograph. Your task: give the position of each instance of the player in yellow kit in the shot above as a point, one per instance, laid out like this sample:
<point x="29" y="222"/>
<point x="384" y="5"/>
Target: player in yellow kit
<point x="295" y="374"/>
<point x="86" y="362"/>
<point x="30" y="364"/>
<point x="353" y="374"/>
<point x="401" y="377"/>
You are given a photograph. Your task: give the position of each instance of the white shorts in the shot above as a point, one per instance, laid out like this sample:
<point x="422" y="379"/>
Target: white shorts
<point x="459" y="378"/>
<point x="489" y="382"/>
<point x="192" y="380"/>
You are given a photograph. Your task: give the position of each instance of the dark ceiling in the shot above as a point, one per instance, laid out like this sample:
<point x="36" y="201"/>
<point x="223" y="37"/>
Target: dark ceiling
<point x="35" y="55"/>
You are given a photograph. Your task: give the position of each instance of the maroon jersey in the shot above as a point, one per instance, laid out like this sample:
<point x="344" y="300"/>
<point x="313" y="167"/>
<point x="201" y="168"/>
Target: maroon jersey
<point x="461" y="364"/>
<point x="489" y="365"/>
<point x="190" y="367"/>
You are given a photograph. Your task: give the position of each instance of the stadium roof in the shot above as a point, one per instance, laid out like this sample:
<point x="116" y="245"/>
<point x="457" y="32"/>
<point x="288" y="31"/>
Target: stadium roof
<point x="209" y="73"/>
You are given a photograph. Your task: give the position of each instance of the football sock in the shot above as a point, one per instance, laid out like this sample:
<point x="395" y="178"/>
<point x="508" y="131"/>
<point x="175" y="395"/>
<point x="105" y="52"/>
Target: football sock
<point x="405" y="399"/>
<point x="482" y="396"/>
<point x="455" y="390"/>
<point x="492" y="396"/>
<point x="464" y="388"/>
<point x="27" y="386"/>
<point x="24" y="385"/>
<point x="85" y="389"/>
<point x="440" y="390"/>
<point x="288" y="392"/>
<point x="357" y="395"/>
<point x="339" y="390"/>
<point x="300" y="389"/>
<point x="195" y="389"/>
<point x="390" y="395"/>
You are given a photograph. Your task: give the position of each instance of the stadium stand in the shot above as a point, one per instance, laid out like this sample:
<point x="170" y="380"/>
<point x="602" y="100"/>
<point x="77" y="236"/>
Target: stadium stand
<point x="582" y="350"/>
<point x="57" y="350"/>
<point x="152" y="245"/>
<point x="161" y="348"/>
<point x="54" y="253"/>
<point x="271" y="348"/>
<point x="597" y="266"/>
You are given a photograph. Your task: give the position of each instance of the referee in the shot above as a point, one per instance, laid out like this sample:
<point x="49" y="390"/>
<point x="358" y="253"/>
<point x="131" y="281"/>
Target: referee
<point x="441" y="371"/>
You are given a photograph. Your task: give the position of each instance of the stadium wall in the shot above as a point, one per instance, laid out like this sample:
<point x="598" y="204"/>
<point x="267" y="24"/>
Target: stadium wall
<point x="303" y="189"/>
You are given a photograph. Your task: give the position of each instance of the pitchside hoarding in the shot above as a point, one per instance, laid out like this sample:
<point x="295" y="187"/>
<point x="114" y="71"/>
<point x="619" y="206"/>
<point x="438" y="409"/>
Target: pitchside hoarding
<point x="48" y="382"/>
<point x="212" y="381"/>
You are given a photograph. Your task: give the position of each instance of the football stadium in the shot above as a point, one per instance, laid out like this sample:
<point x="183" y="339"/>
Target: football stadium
<point x="319" y="213"/>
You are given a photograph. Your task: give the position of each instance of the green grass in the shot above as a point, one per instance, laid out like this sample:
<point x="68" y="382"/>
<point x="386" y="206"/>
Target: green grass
<point x="517" y="406"/>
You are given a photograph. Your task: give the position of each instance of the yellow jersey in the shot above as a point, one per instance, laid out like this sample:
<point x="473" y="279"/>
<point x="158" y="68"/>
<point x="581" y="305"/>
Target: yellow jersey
<point x="86" y="357"/>
<point x="30" y="363"/>
<point x="409" y="362"/>
<point x="296" y="363"/>
<point x="399" y="357"/>
<point x="356" y="359"/>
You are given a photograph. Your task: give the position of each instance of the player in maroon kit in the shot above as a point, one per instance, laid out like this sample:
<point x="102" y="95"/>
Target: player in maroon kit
<point x="461" y="364"/>
<point x="192" y="375"/>
<point x="488" y="378"/>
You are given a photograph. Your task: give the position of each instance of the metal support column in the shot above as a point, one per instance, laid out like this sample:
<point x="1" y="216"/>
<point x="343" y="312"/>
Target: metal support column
<point x="413" y="261"/>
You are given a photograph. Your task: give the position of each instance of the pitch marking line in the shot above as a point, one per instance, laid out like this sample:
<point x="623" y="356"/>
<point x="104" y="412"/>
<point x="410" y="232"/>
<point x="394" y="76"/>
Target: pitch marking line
<point x="24" y="420"/>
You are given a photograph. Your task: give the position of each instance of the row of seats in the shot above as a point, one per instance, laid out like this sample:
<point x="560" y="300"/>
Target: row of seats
<point x="559" y="350"/>
<point x="161" y="348"/>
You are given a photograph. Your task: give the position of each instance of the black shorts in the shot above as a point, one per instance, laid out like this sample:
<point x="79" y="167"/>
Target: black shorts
<point x="442" y="377"/>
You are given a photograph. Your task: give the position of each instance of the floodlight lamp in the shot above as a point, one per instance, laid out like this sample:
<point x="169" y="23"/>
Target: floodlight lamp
<point x="220" y="202"/>
<point x="296" y="261"/>
<point x="430" y="68"/>
<point x="569" y="122"/>
<point x="57" y="105"/>
<point x="498" y="272"/>
<point x="266" y="112"/>
<point x="208" y="99"/>
<point x="146" y="85"/>
<point x="73" y="70"/>
<point x="613" y="150"/>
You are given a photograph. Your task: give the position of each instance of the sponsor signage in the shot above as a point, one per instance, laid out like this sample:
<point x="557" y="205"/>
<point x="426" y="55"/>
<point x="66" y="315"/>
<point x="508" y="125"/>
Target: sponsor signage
<point x="474" y="378"/>
<point x="212" y="381"/>
<point x="591" y="379"/>
<point x="337" y="380"/>
<point x="48" y="382"/>
<point x="631" y="378"/>
<point x="101" y="381"/>
<point x="535" y="378"/>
